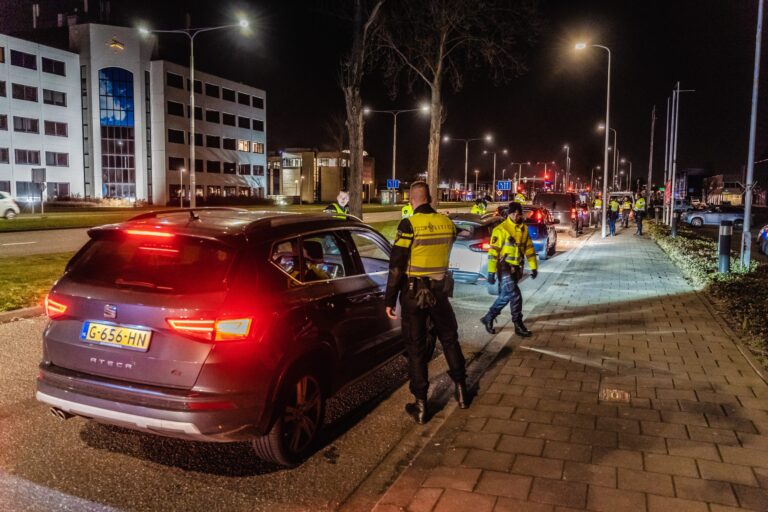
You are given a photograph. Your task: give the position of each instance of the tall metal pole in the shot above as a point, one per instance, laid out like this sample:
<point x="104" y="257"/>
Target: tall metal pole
<point x="746" y="236"/>
<point x="567" y="166"/>
<point x="676" y="97"/>
<point x="666" y="166"/>
<point x="466" y="165"/>
<point x="192" y="180"/>
<point x="650" y="156"/>
<point x="394" y="144"/>
<point x="605" y="152"/>
<point x="672" y="129"/>
<point x="493" y="186"/>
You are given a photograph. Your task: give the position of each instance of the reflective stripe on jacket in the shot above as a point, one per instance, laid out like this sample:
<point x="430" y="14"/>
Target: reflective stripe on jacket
<point x="626" y="205"/>
<point x="337" y="210"/>
<point x="511" y="243"/>
<point x="430" y="244"/>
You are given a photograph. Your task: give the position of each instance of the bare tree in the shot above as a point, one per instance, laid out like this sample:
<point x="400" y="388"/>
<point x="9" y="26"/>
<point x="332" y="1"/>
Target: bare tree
<point x="336" y="132"/>
<point x="365" y="20"/>
<point x="434" y="41"/>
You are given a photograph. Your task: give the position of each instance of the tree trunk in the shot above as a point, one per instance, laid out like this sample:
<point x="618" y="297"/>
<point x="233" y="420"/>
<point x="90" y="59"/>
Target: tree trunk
<point x="354" y="107"/>
<point x="435" y="126"/>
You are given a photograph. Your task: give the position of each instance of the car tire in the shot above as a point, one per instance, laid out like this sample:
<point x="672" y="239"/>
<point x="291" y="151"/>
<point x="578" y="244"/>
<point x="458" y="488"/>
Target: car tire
<point x="10" y="214"/>
<point x="552" y="250"/>
<point x="295" y="431"/>
<point x="697" y="222"/>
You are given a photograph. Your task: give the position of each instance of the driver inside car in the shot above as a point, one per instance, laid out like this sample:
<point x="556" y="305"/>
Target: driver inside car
<point x="313" y="261"/>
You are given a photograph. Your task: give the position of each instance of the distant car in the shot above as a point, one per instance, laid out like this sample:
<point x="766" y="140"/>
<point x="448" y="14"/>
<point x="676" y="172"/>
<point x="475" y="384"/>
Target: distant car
<point x="541" y="228"/>
<point x="563" y="207"/>
<point x="712" y="215"/>
<point x="8" y="207"/>
<point x="762" y="240"/>
<point x="469" y="261"/>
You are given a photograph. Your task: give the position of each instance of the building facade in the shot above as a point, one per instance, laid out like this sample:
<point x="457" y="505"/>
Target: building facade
<point x="40" y="120"/>
<point x="107" y="121"/>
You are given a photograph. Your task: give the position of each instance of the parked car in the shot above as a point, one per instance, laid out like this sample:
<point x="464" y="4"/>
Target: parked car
<point x="9" y="208"/>
<point x="712" y="215"/>
<point x="762" y="240"/>
<point x="218" y="325"/>
<point x="542" y="230"/>
<point x="469" y="261"/>
<point x="563" y="207"/>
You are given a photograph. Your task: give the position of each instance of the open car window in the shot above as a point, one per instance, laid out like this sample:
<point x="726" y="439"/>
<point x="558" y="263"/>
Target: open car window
<point x="321" y="258"/>
<point x="373" y="253"/>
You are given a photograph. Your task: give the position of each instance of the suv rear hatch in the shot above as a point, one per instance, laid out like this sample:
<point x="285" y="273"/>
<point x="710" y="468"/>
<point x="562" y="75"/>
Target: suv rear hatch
<point x="140" y="306"/>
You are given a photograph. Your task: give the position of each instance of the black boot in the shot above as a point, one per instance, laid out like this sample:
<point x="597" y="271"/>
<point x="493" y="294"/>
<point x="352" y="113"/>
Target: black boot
<point x="521" y="330"/>
<point x="462" y="395"/>
<point x="487" y="321"/>
<point x="418" y="411"/>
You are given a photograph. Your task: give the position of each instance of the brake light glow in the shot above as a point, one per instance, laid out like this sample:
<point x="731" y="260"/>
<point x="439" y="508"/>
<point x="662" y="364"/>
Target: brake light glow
<point x="480" y="247"/>
<point x="161" y="250"/>
<point x="53" y="308"/>
<point x="144" y="232"/>
<point x="228" y="329"/>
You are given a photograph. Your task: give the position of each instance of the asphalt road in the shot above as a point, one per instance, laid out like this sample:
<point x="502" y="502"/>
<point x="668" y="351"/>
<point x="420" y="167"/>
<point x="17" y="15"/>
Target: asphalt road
<point x="48" y="464"/>
<point x="24" y="243"/>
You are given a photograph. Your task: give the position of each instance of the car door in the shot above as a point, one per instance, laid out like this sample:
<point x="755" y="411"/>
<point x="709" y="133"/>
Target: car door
<point x="370" y="254"/>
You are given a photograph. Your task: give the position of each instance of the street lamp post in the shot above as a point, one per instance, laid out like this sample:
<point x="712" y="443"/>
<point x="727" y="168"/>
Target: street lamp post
<point x="394" y="114"/>
<point x="493" y="186"/>
<point x="567" y="149"/>
<point x="592" y="179"/>
<point x="487" y="138"/>
<point x="191" y="33"/>
<point x="477" y="173"/>
<point x="629" y="179"/>
<point x="519" y="172"/>
<point x="181" y="187"/>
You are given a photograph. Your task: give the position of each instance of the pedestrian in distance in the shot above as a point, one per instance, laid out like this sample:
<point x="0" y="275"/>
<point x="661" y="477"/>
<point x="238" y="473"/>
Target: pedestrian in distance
<point x="419" y="277"/>
<point x="639" y="214"/>
<point x="598" y="205"/>
<point x="340" y="208"/>
<point x="613" y="215"/>
<point x="479" y="208"/>
<point x="511" y="245"/>
<point x="626" y="208"/>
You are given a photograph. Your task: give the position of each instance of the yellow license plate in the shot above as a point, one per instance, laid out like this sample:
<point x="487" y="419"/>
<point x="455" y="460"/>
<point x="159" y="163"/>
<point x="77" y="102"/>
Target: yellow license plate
<point x="115" y="335"/>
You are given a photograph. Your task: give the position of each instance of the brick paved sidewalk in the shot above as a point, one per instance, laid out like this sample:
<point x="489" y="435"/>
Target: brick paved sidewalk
<point x="620" y="318"/>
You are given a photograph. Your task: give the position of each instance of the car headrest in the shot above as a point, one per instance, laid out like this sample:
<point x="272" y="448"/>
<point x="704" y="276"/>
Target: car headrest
<point x="313" y="249"/>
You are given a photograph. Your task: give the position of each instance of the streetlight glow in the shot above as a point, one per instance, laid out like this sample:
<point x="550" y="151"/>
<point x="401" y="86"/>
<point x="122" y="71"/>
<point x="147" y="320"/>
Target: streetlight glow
<point x="489" y="137"/>
<point x="144" y="31"/>
<point x="580" y="46"/>
<point x="244" y="23"/>
<point x="425" y="108"/>
<point x="366" y="110"/>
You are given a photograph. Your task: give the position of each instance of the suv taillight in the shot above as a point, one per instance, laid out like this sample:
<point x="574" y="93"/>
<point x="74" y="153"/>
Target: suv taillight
<point x="54" y="308"/>
<point x="225" y="329"/>
<point x="480" y="247"/>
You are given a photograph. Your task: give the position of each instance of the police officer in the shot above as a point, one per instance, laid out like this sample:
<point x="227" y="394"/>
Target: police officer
<point x="479" y="207"/>
<point x="418" y="269"/>
<point x="406" y="211"/>
<point x="520" y="198"/>
<point x="599" y="209"/>
<point x="639" y="214"/>
<point x="626" y="207"/>
<point x="613" y="214"/>
<point x="510" y="246"/>
<point x="340" y="208"/>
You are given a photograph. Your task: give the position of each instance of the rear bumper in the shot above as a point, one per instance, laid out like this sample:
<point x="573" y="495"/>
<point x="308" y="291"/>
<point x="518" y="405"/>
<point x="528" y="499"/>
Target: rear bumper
<point x="183" y="415"/>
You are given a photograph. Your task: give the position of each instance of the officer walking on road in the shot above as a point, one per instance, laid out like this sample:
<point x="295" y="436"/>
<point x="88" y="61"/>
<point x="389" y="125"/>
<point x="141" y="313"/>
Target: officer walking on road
<point x="639" y="214"/>
<point x="626" y="207"/>
<point x="510" y="245"/>
<point x="418" y="273"/>
<point x="613" y="214"/>
<point x="341" y="207"/>
<point x="479" y="208"/>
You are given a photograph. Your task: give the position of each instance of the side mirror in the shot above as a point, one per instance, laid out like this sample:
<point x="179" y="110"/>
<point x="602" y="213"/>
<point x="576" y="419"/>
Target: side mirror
<point x="556" y="221"/>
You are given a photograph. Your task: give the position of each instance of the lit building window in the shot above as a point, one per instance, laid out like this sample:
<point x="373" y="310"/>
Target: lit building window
<point x="258" y="147"/>
<point x="243" y="145"/>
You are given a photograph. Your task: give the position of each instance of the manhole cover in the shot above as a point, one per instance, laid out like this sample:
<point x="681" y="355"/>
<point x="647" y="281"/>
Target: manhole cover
<point x="614" y="395"/>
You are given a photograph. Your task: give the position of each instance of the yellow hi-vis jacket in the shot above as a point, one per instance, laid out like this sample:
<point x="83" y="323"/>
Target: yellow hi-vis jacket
<point x="520" y="198"/>
<point x="614" y="204"/>
<point x="406" y="211"/>
<point x="640" y="204"/>
<point x="430" y="244"/>
<point x="477" y="209"/>
<point x="337" y="210"/>
<point x="626" y="205"/>
<point x="511" y="243"/>
<point x="598" y="203"/>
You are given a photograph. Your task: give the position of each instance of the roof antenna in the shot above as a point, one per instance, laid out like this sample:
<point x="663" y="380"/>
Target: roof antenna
<point x="193" y="215"/>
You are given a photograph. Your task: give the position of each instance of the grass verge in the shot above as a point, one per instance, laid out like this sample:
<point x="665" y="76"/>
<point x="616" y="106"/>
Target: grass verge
<point x="741" y="296"/>
<point x="25" y="280"/>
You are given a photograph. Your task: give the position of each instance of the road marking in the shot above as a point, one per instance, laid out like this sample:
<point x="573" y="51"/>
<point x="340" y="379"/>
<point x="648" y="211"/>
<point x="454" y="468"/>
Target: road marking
<point x="17" y="243"/>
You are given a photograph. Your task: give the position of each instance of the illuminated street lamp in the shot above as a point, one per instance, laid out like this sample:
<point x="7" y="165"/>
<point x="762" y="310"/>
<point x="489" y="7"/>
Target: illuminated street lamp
<point x="394" y="113"/>
<point x="477" y="173"/>
<point x="191" y="33"/>
<point x="487" y="138"/>
<point x="582" y="46"/>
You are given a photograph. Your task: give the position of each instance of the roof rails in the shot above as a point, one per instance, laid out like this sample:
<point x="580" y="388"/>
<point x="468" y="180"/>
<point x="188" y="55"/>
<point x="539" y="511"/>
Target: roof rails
<point x="191" y="211"/>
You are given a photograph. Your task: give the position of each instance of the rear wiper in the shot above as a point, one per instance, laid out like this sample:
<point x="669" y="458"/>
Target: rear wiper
<point x="141" y="284"/>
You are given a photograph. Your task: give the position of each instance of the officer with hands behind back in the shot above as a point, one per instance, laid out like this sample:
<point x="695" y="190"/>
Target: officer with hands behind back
<point x="418" y="274"/>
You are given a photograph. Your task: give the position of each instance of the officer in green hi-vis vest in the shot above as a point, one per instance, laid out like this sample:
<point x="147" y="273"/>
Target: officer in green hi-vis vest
<point x="418" y="275"/>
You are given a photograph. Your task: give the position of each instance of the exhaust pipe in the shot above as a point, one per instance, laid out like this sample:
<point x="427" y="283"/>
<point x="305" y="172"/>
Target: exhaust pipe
<point x="59" y="414"/>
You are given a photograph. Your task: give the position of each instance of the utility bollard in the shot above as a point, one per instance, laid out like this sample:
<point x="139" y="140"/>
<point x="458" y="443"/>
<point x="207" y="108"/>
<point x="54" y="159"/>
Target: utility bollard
<point x="724" y="246"/>
<point x="656" y="214"/>
<point x="673" y="233"/>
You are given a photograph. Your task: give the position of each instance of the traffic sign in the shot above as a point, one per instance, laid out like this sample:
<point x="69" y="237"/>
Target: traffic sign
<point x="38" y="175"/>
<point x="498" y="193"/>
<point x="504" y="185"/>
<point x="393" y="184"/>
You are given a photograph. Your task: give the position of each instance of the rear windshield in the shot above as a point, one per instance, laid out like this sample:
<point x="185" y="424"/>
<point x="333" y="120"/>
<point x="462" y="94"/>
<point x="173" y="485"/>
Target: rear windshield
<point x="472" y="231"/>
<point x="174" y="265"/>
<point x="558" y="202"/>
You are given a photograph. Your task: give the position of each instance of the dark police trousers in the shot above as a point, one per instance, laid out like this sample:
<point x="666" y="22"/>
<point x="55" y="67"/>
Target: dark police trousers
<point x="639" y="221"/>
<point x="418" y="350"/>
<point x="509" y="293"/>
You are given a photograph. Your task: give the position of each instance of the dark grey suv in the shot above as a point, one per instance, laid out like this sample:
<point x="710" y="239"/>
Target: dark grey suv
<point x="218" y="325"/>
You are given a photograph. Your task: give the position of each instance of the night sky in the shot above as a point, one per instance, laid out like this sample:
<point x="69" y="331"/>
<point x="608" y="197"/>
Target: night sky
<point x="706" y="44"/>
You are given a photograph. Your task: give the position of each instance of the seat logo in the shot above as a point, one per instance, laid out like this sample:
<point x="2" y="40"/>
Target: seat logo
<point x="110" y="311"/>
